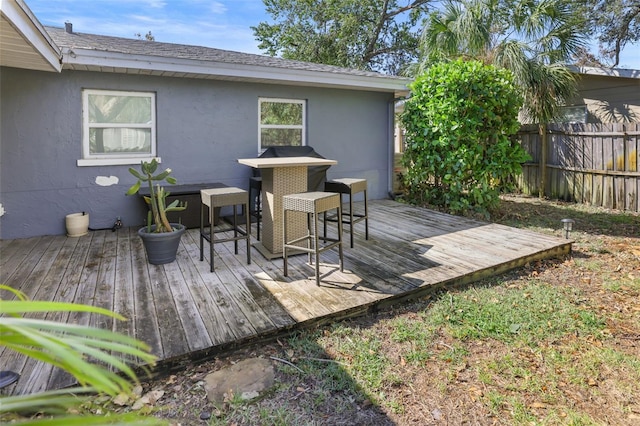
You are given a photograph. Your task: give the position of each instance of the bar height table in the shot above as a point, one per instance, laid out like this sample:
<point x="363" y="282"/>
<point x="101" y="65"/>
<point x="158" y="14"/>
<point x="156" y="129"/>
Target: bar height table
<point x="281" y="176"/>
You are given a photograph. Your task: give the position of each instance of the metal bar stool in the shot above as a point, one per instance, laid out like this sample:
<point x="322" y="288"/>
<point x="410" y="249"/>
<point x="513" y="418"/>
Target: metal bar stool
<point x="350" y="187"/>
<point x="221" y="197"/>
<point x="311" y="203"/>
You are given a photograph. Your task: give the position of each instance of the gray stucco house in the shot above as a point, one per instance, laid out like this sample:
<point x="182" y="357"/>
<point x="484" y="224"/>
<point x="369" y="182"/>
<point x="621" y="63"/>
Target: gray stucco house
<point x="77" y="110"/>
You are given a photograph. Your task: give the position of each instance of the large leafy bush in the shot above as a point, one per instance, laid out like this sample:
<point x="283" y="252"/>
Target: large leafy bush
<point x="460" y="124"/>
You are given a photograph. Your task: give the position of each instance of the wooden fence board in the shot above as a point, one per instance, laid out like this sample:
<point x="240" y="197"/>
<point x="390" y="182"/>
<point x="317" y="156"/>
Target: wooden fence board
<point x="588" y="189"/>
<point x="598" y="164"/>
<point x="586" y="163"/>
<point x="633" y="156"/>
<point x="618" y="145"/>
<point x="579" y="149"/>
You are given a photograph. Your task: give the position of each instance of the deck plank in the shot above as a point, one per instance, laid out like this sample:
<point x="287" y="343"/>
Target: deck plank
<point x="68" y="292"/>
<point x="147" y="325"/>
<point x="35" y="375"/>
<point x="182" y="310"/>
<point x="29" y="274"/>
<point x="173" y="334"/>
<point x="213" y="318"/>
<point x="85" y="288"/>
<point x="247" y="274"/>
<point x="197" y="334"/>
<point x="29" y="277"/>
<point x="13" y="254"/>
<point x="242" y="296"/>
<point x="123" y="284"/>
<point x="235" y="319"/>
<point x="106" y="282"/>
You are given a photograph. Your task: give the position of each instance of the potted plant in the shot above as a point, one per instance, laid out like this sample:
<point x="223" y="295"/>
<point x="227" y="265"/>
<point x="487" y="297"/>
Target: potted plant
<point x="160" y="237"/>
<point x="77" y="224"/>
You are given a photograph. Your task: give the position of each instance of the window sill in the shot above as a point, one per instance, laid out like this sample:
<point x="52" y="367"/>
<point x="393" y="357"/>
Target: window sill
<point x="114" y="161"/>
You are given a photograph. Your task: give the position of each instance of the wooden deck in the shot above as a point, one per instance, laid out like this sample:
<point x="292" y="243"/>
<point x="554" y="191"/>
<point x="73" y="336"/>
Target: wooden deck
<point x="183" y="311"/>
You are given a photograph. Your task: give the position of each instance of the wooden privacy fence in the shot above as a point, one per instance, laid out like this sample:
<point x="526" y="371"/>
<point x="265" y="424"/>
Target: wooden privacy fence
<point x="587" y="163"/>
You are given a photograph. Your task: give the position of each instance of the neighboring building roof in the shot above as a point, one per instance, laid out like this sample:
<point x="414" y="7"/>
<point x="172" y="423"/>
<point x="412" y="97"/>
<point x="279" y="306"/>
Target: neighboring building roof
<point x="90" y="52"/>
<point x="25" y="43"/>
<point x="606" y="72"/>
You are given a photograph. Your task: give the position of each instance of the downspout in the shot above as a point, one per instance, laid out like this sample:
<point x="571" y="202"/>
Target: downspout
<point x="390" y="145"/>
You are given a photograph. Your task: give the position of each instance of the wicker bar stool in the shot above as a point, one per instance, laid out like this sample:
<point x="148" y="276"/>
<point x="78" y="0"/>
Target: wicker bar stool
<point x="350" y="187"/>
<point x="311" y="203"/>
<point x="222" y="197"/>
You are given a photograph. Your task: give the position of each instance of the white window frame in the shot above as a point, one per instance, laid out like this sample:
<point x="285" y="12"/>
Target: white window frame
<point x="302" y="127"/>
<point x="89" y="159"/>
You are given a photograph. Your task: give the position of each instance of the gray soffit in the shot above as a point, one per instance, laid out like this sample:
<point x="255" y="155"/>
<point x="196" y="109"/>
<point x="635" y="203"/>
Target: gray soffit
<point x="89" y="52"/>
<point x="24" y="43"/>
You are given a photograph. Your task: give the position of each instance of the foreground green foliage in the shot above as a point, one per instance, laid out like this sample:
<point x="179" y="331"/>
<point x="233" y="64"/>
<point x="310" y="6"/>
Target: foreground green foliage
<point x="93" y="356"/>
<point x="459" y="123"/>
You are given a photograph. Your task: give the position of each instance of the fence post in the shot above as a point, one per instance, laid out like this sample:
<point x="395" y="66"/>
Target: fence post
<point x="542" y="130"/>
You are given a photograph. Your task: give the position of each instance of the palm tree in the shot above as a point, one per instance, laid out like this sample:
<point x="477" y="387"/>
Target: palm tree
<point x="93" y="356"/>
<point x="534" y="39"/>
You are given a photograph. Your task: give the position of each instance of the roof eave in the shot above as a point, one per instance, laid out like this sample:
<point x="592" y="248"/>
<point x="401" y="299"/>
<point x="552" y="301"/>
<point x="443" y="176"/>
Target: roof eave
<point x="105" y="61"/>
<point x="25" y="26"/>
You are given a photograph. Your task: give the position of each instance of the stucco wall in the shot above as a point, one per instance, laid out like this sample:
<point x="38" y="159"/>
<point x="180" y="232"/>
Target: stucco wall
<point x="203" y="127"/>
<point x="609" y="99"/>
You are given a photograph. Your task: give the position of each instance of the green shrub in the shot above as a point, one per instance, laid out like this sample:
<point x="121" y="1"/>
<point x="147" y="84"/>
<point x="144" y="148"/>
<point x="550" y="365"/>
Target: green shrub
<point x="460" y="124"/>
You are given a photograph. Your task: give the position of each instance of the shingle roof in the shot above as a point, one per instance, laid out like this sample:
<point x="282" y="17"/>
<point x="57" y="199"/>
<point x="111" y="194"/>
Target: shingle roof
<point x="95" y="42"/>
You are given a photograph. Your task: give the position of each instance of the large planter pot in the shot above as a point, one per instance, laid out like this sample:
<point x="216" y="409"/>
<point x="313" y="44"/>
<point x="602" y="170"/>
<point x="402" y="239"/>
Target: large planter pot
<point x="161" y="248"/>
<point x="77" y="224"/>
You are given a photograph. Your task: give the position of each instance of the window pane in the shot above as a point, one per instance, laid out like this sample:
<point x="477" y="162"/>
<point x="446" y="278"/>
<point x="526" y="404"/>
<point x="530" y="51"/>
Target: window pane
<point x="116" y="140"/>
<point x="573" y="114"/>
<point x="281" y="113"/>
<point x="280" y="137"/>
<point x="119" y="109"/>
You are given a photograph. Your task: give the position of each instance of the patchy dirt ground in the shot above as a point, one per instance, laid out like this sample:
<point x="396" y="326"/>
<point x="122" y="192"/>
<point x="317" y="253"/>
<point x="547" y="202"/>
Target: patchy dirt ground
<point x="604" y="269"/>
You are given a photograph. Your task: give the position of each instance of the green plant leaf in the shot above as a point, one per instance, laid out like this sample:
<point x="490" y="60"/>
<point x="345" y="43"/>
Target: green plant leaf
<point x="162" y="176"/>
<point x="134" y="188"/>
<point x="18" y="307"/>
<point x="135" y="173"/>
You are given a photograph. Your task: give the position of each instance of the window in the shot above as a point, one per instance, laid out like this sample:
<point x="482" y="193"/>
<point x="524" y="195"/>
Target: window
<point x="573" y="114"/>
<point x="282" y="122"/>
<point x="118" y="127"/>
